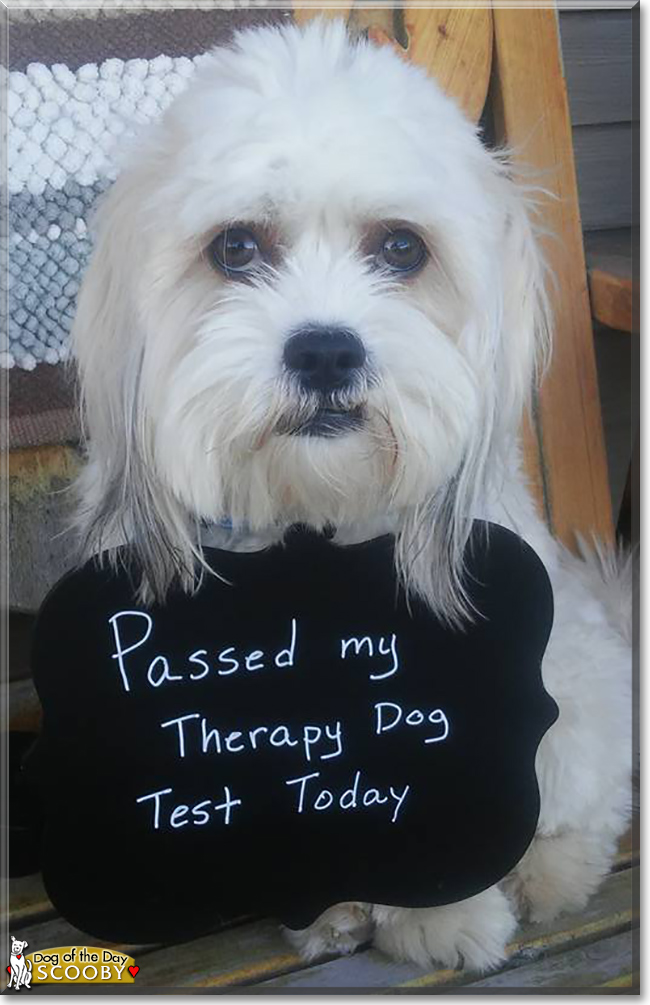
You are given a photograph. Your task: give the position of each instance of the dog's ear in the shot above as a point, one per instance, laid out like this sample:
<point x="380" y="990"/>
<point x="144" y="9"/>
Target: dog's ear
<point x="120" y="496"/>
<point x="523" y="340"/>
<point x="509" y="341"/>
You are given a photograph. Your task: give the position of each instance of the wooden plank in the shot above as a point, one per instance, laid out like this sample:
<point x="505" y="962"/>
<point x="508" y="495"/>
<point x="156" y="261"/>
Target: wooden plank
<point x="335" y="8"/>
<point x="378" y="23"/>
<point x="257" y="951"/>
<point x="567" y="454"/>
<point x="607" y="913"/>
<point x="243" y="955"/>
<point x="611" y="299"/>
<point x="605" y="160"/>
<point x="25" y="711"/>
<point x="628" y="846"/>
<point x="369" y="969"/>
<point x="34" y="470"/>
<point x="20" y="630"/>
<point x="615" y="355"/>
<point x="454" y="45"/>
<point x="600" y="964"/>
<point x="58" y="932"/>
<point x="625" y="981"/>
<point x="613" y="250"/>
<point x="625" y="859"/>
<point x="611" y="288"/>
<point x="40" y="549"/>
<point x="28" y="901"/>
<point x="598" y="65"/>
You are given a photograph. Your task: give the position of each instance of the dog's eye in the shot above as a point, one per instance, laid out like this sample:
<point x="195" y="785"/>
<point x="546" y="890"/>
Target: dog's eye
<point x="403" y="251"/>
<point x="235" y="250"/>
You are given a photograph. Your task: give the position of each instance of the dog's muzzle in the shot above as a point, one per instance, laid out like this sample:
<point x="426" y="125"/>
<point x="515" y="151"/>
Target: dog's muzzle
<point x="326" y="362"/>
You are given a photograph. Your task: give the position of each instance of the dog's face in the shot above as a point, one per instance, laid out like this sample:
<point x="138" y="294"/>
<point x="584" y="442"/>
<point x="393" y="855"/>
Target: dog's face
<point x="17" y="946"/>
<point x="314" y="299"/>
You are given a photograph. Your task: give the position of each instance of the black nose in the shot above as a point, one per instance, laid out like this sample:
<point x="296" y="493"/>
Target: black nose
<point x="324" y="359"/>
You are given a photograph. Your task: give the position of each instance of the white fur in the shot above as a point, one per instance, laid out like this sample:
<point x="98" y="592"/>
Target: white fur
<point x="318" y="140"/>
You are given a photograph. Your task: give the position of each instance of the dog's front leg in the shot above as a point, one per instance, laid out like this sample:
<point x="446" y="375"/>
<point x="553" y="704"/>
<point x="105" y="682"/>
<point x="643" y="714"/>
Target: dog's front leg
<point x="560" y="872"/>
<point x="472" y="933"/>
<point x="338" y="931"/>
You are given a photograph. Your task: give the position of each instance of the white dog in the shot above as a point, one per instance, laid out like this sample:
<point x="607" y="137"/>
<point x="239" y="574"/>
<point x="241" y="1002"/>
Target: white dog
<point x="317" y="297"/>
<point x="21" y="969"/>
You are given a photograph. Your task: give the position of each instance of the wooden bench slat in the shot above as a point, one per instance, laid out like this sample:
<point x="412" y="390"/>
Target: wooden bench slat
<point x="58" y="932"/>
<point x="611" y="299"/>
<point x="625" y="981"/>
<point x="366" y="969"/>
<point x="25" y="712"/>
<point x="28" y="900"/>
<point x="599" y="964"/>
<point x="40" y="548"/>
<point x="455" y="46"/>
<point x="243" y="955"/>
<point x="258" y="952"/>
<point x="566" y="454"/>
<point x="611" y="289"/>
<point x="628" y="847"/>
<point x="336" y="9"/>
<point x="608" y="912"/>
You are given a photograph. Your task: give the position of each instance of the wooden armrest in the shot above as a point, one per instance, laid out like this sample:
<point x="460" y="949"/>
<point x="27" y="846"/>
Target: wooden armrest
<point x="609" y="269"/>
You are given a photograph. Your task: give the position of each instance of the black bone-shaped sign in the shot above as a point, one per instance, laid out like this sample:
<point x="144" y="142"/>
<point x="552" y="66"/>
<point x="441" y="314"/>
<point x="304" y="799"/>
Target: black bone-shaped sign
<point x="293" y="735"/>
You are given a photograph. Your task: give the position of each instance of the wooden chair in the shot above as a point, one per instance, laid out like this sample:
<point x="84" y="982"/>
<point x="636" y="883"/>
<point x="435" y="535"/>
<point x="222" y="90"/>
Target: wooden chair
<point x="511" y="58"/>
<point x="612" y="290"/>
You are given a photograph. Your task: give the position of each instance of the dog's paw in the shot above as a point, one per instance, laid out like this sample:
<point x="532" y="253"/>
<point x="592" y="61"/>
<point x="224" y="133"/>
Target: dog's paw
<point x="472" y="934"/>
<point x="337" y="932"/>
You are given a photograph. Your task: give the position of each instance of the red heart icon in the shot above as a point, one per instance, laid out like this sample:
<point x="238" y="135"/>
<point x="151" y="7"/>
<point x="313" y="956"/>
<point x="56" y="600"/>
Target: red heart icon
<point x="8" y="970"/>
<point x="18" y="955"/>
<point x="133" y="971"/>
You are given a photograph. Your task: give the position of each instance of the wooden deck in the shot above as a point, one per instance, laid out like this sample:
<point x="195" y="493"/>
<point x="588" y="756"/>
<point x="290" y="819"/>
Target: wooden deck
<point x="595" y="951"/>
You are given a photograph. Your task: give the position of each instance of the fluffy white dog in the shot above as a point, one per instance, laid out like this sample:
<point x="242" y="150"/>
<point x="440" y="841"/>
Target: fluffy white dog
<point x="317" y="297"/>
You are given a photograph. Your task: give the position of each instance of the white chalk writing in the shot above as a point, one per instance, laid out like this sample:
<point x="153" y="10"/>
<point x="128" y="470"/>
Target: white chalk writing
<point x="366" y="646"/>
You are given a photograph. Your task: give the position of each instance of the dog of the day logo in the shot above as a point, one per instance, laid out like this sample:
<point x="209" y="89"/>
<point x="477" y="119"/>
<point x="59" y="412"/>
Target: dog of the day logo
<point x="68" y="965"/>
<point x="19" y="969"/>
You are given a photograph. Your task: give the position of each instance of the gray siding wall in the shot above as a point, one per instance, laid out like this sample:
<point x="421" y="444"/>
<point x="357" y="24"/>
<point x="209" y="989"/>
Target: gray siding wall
<point x="597" y="52"/>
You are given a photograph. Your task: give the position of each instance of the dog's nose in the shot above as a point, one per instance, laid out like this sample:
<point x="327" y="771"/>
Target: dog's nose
<point x="324" y="359"/>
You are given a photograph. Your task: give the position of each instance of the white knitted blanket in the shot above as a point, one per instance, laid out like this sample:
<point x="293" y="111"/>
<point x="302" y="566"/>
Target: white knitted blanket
<point x="65" y="128"/>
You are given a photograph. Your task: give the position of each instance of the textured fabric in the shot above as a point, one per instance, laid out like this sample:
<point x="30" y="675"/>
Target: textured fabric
<point x="49" y="248"/>
<point x="87" y="40"/>
<point x="69" y="10"/>
<point x="42" y="407"/>
<point x="79" y="82"/>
